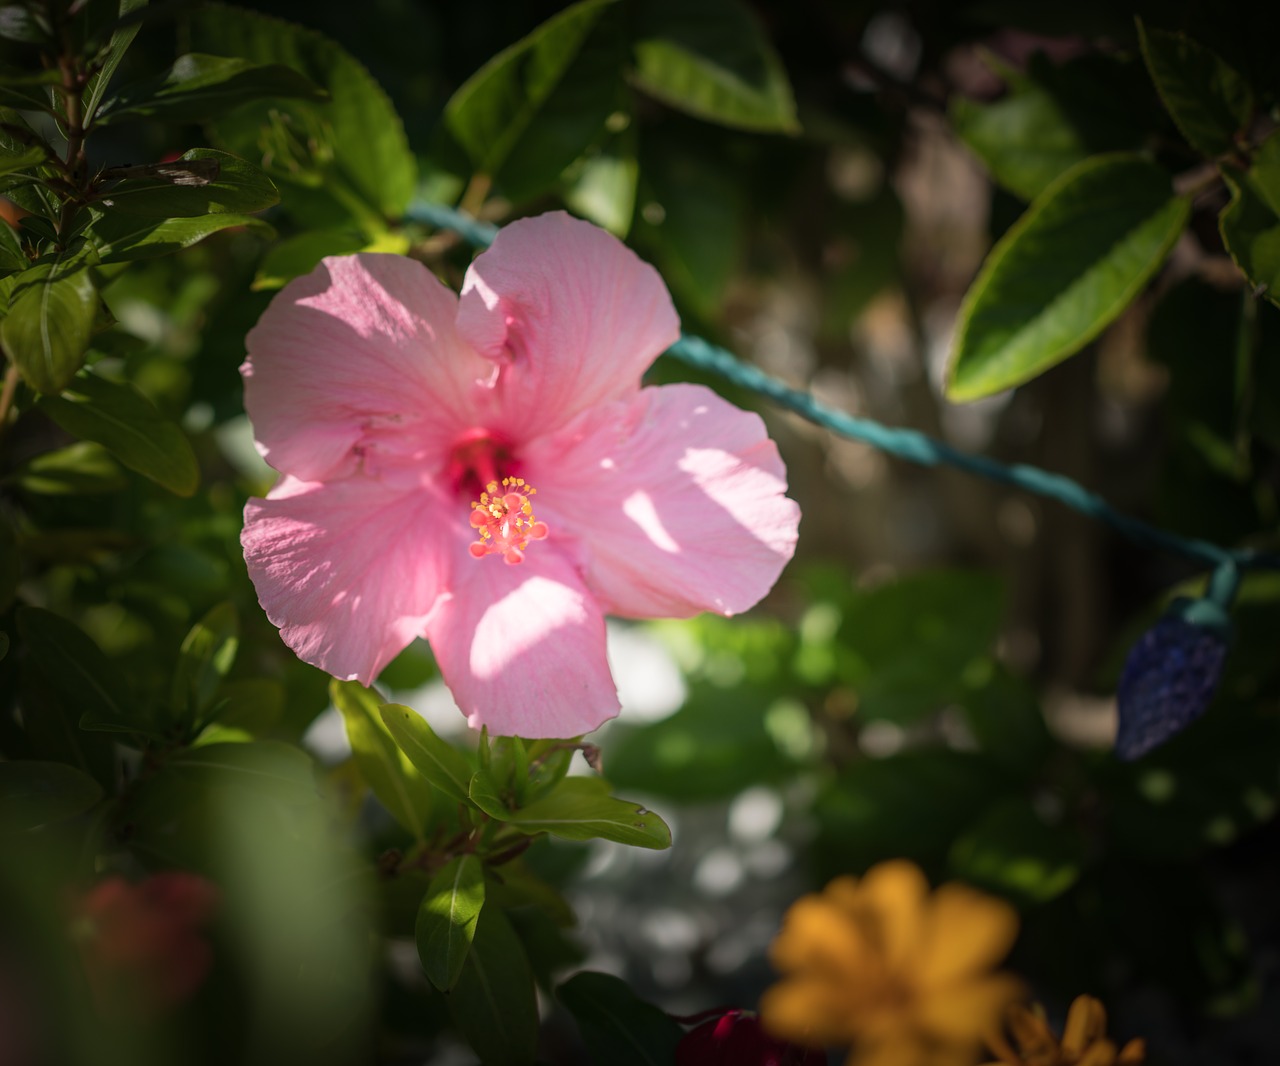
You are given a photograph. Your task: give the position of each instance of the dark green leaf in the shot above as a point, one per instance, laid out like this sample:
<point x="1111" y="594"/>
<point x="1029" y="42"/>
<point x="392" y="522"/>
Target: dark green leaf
<point x="12" y="259"/>
<point x="395" y="781"/>
<point x="24" y="159"/>
<point x="905" y="647"/>
<point x="1251" y="222"/>
<point x="300" y="255"/>
<point x="1208" y="100"/>
<point x="10" y="565"/>
<point x="267" y="766"/>
<point x="253" y="705"/>
<point x="616" y="1025"/>
<point x="199" y="87"/>
<point x="580" y="808"/>
<point x="122" y="420"/>
<point x="535" y="107"/>
<point x="83" y="468"/>
<point x="494" y="1002"/>
<point x="355" y="144"/>
<point x="213" y="183"/>
<point x="121" y="238"/>
<point x="1069" y="266"/>
<point x="711" y="59"/>
<point x="1004" y="715"/>
<point x="447" y="920"/>
<point x="37" y="793"/>
<point x="76" y="669"/>
<point x="439" y="762"/>
<point x="24" y="22"/>
<point x="51" y="313"/>
<point x="1011" y="851"/>
<point x="204" y="660"/>
<point x="121" y="37"/>
<point x="483" y="793"/>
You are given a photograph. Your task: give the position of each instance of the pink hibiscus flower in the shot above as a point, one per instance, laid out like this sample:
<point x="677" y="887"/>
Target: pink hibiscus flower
<point x="487" y="472"/>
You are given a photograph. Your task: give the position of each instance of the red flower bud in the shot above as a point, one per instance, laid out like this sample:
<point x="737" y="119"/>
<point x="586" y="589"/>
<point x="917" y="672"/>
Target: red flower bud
<point x="736" y="1039"/>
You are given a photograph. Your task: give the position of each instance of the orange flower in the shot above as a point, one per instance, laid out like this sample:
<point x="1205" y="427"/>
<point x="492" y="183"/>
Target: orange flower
<point x="902" y="975"/>
<point x="1084" y="1040"/>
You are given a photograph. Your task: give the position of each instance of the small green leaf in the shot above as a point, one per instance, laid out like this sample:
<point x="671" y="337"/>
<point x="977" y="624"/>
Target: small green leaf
<point x="124" y="421"/>
<point x="447" y="919"/>
<point x="300" y="255"/>
<point x="24" y="159"/>
<point x="580" y="808"/>
<point x="51" y="313"/>
<point x="1064" y="271"/>
<point x="396" y="782"/>
<point x="494" y="1002"/>
<point x="603" y="187"/>
<point x="1250" y="223"/>
<point x="535" y="107"/>
<point x="110" y="56"/>
<point x="201" y="182"/>
<point x="1207" y="99"/>
<point x="439" y="762"/>
<point x="121" y="237"/>
<point x="204" y="660"/>
<point x="199" y="87"/>
<point x="74" y="666"/>
<point x="83" y="468"/>
<point x="12" y="258"/>
<point x="37" y="793"/>
<point x="711" y="59"/>
<point x="1011" y="851"/>
<point x="483" y="793"/>
<point x="618" y="1026"/>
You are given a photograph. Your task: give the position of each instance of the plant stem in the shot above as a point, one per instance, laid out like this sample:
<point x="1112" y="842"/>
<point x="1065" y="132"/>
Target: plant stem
<point x="7" y="391"/>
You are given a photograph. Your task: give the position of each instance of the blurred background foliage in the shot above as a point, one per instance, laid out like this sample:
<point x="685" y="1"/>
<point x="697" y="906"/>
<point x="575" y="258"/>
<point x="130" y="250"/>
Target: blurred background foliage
<point x="819" y="184"/>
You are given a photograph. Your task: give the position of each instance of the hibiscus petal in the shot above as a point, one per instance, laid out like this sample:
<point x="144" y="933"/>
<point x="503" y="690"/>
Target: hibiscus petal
<point x="522" y="648"/>
<point x="571" y="316"/>
<point x="677" y="500"/>
<point x="349" y="570"/>
<point x="355" y="360"/>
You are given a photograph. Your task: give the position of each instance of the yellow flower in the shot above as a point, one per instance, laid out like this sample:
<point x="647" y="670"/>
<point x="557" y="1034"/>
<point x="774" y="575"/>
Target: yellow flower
<point x="902" y="975"/>
<point x="1084" y="1040"/>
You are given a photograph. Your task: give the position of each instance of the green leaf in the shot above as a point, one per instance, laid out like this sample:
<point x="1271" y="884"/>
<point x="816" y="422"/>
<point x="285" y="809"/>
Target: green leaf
<point x="395" y="781"/>
<point x="536" y="106"/>
<point x="438" y="761"/>
<point x="905" y="648"/>
<point x="483" y="793"/>
<point x="110" y="56"/>
<point x="37" y="793"/>
<point x="358" y="141"/>
<point x="1063" y="272"/>
<point x="199" y="87"/>
<point x="253" y="705"/>
<point x="616" y="1025"/>
<point x="494" y="1002"/>
<point x="269" y="767"/>
<point x="299" y="255"/>
<point x="23" y="159"/>
<point x="10" y="567"/>
<point x="12" y="258"/>
<point x="603" y="187"/>
<point x="447" y="919"/>
<point x="121" y="238"/>
<point x="711" y="59"/>
<point x="1250" y="223"/>
<point x="51" y="313"/>
<point x="1208" y="100"/>
<point x="1003" y="713"/>
<point x="1011" y="851"/>
<point x="201" y="182"/>
<point x="580" y="808"/>
<point x="124" y="421"/>
<point x="83" y="468"/>
<point x="204" y="659"/>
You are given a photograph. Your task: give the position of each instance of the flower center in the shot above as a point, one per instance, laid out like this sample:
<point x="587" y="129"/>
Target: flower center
<point x="503" y="520"/>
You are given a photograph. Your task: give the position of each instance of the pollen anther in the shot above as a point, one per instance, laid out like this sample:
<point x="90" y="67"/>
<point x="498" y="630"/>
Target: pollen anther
<point x="503" y="520"/>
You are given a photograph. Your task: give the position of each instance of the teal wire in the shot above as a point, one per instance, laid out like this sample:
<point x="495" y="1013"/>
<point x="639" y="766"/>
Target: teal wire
<point x="908" y="444"/>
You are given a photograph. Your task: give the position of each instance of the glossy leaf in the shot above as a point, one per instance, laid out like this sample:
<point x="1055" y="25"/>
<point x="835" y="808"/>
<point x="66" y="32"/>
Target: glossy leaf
<point x="205" y="658"/>
<point x="710" y="59"/>
<point x="1210" y="103"/>
<point x="199" y="87"/>
<point x="580" y="808"/>
<point x="121" y="238"/>
<point x="447" y="919"/>
<point x="110" y="56"/>
<point x="618" y="1026"/>
<point x="396" y="782"/>
<point x="535" y="107"/>
<point x="1070" y="265"/>
<point x="23" y="159"/>
<point x="438" y="761"/>
<point x="1251" y="222"/>
<point x="213" y="183"/>
<point x="50" y="319"/>
<point x="124" y="422"/>
<point x="360" y="142"/>
<point x="494" y="1002"/>
<point x="36" y="793"/>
